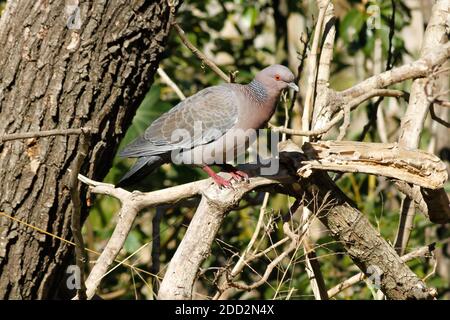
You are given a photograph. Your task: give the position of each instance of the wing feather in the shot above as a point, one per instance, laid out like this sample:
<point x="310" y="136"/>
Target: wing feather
<point x="214" y="110"/>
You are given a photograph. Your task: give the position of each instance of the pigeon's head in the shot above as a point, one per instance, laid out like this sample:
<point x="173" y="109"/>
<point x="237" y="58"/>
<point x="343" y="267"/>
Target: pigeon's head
<point x="277" y="77"/>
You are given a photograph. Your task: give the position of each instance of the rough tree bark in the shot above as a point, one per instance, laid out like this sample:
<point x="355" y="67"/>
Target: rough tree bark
<point x="93" y="74"/>
<point x="363" y="243"/>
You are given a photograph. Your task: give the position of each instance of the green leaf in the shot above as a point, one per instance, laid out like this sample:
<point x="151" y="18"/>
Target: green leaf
<point x="351" y="25"/>
<point x="133" y="242"/>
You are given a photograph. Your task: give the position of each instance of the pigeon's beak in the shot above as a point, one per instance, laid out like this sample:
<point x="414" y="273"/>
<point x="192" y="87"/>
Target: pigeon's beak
<point x="293" y="86"/>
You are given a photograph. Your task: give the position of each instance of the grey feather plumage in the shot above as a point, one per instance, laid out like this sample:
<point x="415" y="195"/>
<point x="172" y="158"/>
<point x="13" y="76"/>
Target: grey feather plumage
<point x="208" y="118"/>
<point x="216" y="108"/>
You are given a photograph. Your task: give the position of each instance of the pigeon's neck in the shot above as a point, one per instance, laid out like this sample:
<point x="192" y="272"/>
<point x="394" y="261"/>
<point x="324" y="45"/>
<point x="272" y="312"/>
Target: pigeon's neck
<point x="257" y="92"/>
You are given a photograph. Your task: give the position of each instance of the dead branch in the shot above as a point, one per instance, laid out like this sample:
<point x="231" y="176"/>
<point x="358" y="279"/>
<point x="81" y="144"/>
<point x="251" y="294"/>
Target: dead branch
<point x="199" y="54"/>
<point x="134" y="202"/>
<point x="295" y="242"/>
<point x="309" y="133"/>
<point x="384" y="159"/>
<point x="215" y="204"/>
<point x="436" y="118"/>
<point x="248" y="257"/>
<point x="351" y="105"/>
<point x="45" y="133"/>
<point x="80" y="257"/>
<point x="179" y="279"/>
<point x="166" y="79"/>
<point x="414" y="118"/>
<point x="363" y="243"/>
<point x="313" y="66"/>
<point x="420" y="252"/>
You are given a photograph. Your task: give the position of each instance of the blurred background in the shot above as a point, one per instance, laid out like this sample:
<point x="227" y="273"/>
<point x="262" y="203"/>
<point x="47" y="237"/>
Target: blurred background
<point x="246" y="36"/>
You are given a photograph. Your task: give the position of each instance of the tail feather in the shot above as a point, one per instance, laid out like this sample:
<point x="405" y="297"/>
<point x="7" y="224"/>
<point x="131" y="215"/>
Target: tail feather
<point x="142" y="167"/>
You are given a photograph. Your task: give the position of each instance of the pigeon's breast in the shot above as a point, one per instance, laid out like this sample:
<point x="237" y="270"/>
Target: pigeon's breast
<point x="257" y="105"/>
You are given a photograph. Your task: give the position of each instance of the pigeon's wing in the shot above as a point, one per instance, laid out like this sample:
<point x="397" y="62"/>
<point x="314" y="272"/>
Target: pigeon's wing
<point x="200" y="119"/>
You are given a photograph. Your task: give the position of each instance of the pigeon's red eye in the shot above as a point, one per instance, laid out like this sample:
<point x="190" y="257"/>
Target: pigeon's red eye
<point x="277" y="77"/>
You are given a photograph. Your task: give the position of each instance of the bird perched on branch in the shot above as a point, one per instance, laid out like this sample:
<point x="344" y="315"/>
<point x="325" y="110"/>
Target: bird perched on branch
<point x="207" y="128"/>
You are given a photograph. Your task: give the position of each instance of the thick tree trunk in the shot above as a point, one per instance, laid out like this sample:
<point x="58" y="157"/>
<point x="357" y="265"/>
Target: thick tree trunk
<point x="59" y="72"/>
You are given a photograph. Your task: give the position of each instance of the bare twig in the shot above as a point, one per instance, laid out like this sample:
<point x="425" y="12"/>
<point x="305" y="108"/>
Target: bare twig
<point x="345" y="125"/>
<point x="126" y="216"/>
<point x="326" y="54"/>
<point x="417" y="69"/>
<point x="45" y="133"/>
<point x="351" y="105"/>
<point x="295" y="241"/>
<point x="312" y="68"/>
<point x="54" y="236"/>
<point x="166" y="79"/>
<point x="199" y="54"/>
<point x="413" y="192"/>
<point x="435" y="117"/>
<point x="384" y="159"/>
<point x="80" y="257"/>
<point x="313" y="269"/>
<point x="310" y="133"/>
<point x="323" y="72"/>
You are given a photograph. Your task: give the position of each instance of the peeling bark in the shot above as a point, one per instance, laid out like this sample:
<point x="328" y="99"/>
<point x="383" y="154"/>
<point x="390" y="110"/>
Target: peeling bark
<point x="375" y="257"/>
<point x="413" y="122"/>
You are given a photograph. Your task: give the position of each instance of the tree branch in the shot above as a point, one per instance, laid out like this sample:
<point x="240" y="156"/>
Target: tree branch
<point x="313" y="67"/>
<point x="414" y="118"/>
<point x="295" y="242"/>
<point x="193" y="250"/>
<point x="166" y="79"/>
<point x="134" y="202"/>
<point x="420" y="252"/>
<point x="199" y="54"/>
<point x="46" y="133"/>
<point x="417" y="69"/>
<point x="76" y="225"/>
<point x="363" y="243"/>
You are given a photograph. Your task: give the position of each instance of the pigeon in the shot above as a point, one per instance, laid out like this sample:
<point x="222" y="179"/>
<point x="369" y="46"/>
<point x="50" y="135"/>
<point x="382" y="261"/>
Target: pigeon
<point x="210" y="127"/>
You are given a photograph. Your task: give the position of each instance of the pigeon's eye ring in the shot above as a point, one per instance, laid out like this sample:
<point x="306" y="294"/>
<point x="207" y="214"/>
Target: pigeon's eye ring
<point x="277" y="77"/>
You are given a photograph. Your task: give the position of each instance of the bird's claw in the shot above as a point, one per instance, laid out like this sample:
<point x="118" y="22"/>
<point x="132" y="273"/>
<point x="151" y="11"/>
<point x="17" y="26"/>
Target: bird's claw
<point x="222" y="182"/>
<point x="239" y="176"/>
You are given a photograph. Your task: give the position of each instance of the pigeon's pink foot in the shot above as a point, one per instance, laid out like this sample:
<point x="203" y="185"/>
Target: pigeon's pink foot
<point x="239" y="175"/>
<point x="236" y="174"/>
<point x="221" y="182"/>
